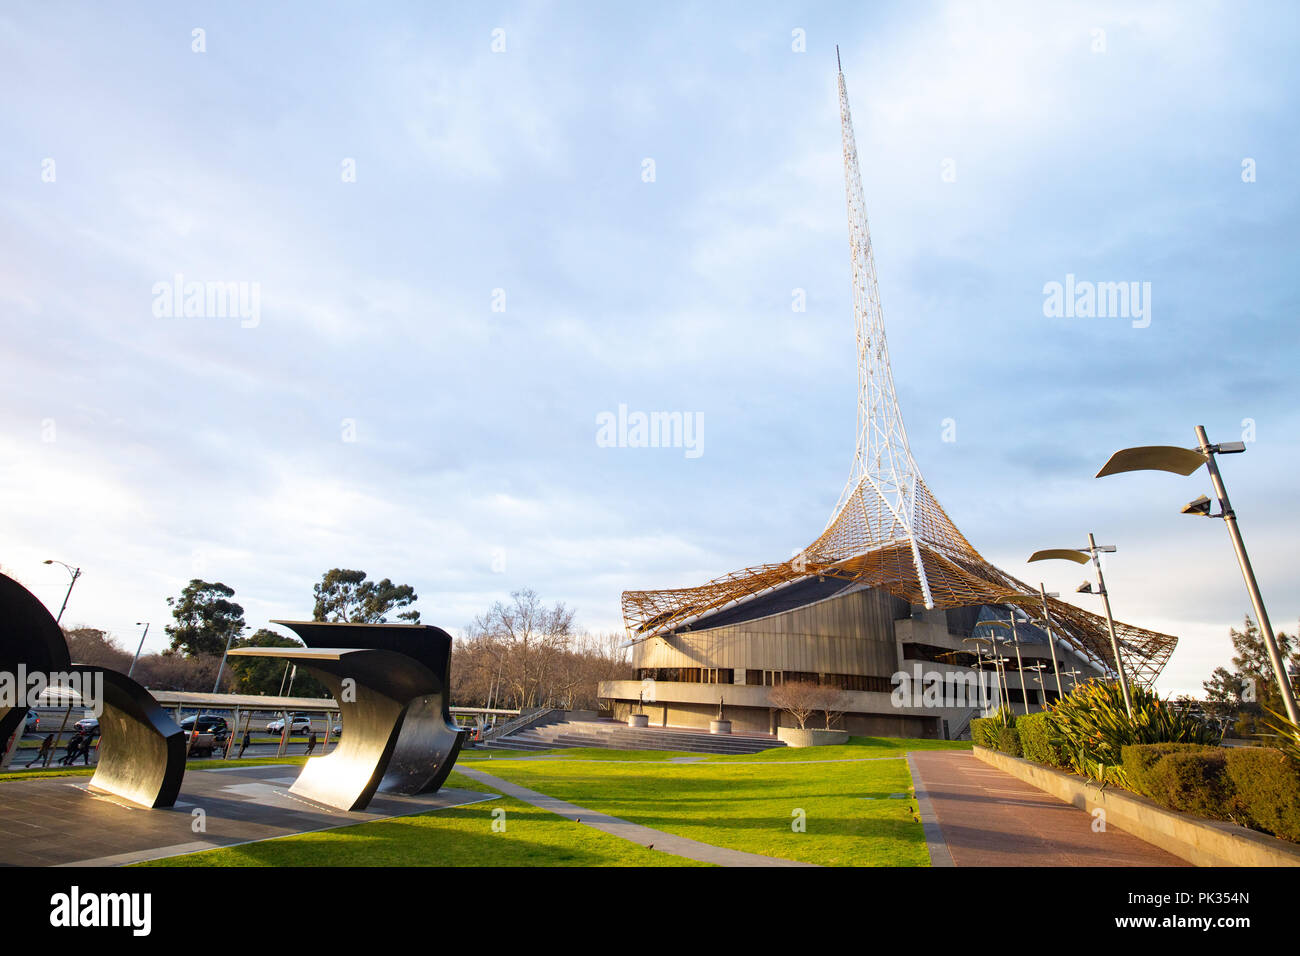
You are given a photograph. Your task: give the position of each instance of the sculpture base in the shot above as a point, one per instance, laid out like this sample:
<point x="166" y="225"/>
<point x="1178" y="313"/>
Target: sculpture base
<point x="638" y="720"/>
<point x="719" y="726"/>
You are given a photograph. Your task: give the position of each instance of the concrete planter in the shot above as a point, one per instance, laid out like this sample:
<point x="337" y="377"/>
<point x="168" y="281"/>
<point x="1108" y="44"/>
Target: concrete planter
<point x="794" y="737"/>
<point x="638" y="720"/>
<point x="1195" y="839"/>
<point x="719" y="726"/>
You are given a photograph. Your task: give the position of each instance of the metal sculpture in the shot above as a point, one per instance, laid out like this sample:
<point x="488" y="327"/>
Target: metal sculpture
<point x="888" y="530"/>
<point x="391" y="684"/>
<point x="142" y="750"/>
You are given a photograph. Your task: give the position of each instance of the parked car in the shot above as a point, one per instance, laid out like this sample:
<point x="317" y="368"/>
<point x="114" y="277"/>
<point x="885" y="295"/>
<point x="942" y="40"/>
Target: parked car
<point x="207" y="724"/>
<point x="300" y="725"/>
<point x="33" y="723"/>
<point x="87" y="725"/>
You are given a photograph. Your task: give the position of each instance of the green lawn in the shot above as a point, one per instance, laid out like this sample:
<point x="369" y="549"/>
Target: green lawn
<point x="749" y="802"/>
<point x="461" y="836"/>
<point x="746" y="803"/>
<point x="23" y="773"/>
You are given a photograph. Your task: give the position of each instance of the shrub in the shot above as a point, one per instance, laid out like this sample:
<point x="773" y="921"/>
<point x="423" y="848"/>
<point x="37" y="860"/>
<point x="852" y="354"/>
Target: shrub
<point x="1267" y="785"/>
<point x="1093" y="727"/>
<point x="979" y="732"/>
<point x="1039" y="741"/>
<point x="1138" y="759"/>
<point x="1195" y="781"/>
<point x="1008" y="740"/>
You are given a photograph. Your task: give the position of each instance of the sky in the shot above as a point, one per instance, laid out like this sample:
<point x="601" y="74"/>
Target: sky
<point x="465" y="236"/>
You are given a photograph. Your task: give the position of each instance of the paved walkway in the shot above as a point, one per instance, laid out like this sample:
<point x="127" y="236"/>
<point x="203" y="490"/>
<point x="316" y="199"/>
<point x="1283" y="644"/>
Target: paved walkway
<point x="976" y="815"/>
<point x="667" y="842"/>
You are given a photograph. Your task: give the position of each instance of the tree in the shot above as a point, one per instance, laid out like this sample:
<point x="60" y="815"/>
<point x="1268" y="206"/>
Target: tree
<point x="526" y="641"/>
<point x="798" y="698"/>
<point x="830" y="701"/>
<point x="265" y="675"/>
<point x="206" y="619"/>
<point x="1250" y="689"/>
<point x="90" y="645"/>
<point x="349" y="596"/>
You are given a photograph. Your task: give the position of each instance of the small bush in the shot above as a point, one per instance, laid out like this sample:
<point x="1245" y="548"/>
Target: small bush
<point x="1139" y="759"/>
<point x="1193" y="781"/>
<point x="1267" y="784"/>
<point x="1038" y="740"/>
<point x="1008" y="740"/>
<point x="980" y="730"/>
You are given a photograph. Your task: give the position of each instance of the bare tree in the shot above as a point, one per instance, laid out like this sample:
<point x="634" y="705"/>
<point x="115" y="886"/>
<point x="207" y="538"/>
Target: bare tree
<point x="530" y="636"/>
<point x="798" y="698"/>
<point x="830" y="701"/>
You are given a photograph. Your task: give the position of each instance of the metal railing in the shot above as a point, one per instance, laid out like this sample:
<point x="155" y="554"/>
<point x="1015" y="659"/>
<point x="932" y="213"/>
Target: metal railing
<point x="522" y="722"/>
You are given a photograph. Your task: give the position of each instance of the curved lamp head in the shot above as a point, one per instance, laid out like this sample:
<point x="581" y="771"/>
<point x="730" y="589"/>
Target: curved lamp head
<point x="1065" y="554"/>
<point x="1180" y="461"/>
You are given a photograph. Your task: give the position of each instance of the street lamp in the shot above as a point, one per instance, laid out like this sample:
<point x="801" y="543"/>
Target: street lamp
<point x="979" y="671"/>
<point x="1038" y="677"/>
<point x="1184" y="461"/>
<point x="1082" y="556"/>
<point x="131" y="669"/>
<point x="1014" y="642"/>
<point x="76" y="573"/>
<point x="1073" y="673"/>
<point x="1046" y="624"/>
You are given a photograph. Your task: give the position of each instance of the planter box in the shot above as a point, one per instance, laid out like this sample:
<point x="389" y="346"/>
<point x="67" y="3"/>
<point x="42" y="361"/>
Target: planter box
<point x="794" y="737"/>
<point x="1195" y="839"/>
<point x="719" y="726"/>
<point x="638" y="720"/>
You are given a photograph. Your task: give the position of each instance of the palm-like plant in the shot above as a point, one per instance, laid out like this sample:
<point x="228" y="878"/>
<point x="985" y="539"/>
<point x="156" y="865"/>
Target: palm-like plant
<point x="1091" y="724"/>
<point x="1285" y="735"/>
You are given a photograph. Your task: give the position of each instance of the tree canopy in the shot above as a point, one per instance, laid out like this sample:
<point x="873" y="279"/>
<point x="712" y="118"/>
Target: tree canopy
<point x="206" y="618"/>
<point x="349" y="596"/>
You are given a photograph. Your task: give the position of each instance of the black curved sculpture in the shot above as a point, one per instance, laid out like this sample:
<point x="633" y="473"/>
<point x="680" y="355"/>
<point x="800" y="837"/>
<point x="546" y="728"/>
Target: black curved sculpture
<point x="398" y="733"/>
<point x="142" y="750"/>
<point x="28" y="637"/>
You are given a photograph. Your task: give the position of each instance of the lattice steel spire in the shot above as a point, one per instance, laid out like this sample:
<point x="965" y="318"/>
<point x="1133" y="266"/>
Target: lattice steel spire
<point x="883" y="468"/>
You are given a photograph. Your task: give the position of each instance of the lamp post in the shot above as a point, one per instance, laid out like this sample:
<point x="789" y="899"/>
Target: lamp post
<point x="138" y="649"/>
<point x="979" y="670"/>
<point x="1184" y="461"/>
<point x="1046" y="624"/>
<point x="1073" y="673"/>
<point x="76" y="573"/>
<point x="1038" y="678"/>
<point x="1014" y="642"/>
<point x="1082" y="556"/>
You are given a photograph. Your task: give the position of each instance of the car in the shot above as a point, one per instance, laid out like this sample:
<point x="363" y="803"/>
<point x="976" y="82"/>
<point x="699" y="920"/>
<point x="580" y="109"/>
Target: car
<point x="87" y="725"/>
<point x="300" y="725"/>
<point x="33" y="723"/>
<point x="207" y="724"/>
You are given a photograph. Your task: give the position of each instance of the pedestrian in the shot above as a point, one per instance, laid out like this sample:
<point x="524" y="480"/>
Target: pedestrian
<point x="46" y="746"/>
<point x="311" y="743"/>
<point x="71" y="750"/>
<point x="84" y="750"/>
<point x="243" y="744"/>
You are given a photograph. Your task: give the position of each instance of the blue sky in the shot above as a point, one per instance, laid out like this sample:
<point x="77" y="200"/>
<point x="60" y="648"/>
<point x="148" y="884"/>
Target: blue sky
<point x="149" y="450"/>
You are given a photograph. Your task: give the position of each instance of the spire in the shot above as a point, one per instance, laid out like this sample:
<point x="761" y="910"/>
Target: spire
<point x="884" y="472"/>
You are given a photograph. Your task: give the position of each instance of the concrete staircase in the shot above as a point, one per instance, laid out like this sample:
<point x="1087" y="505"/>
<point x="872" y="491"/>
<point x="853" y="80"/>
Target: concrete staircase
<point x="613" y="735"/>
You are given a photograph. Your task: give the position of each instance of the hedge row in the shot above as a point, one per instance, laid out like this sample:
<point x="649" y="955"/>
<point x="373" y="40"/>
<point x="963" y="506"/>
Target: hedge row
<point x="1254" y="786"/>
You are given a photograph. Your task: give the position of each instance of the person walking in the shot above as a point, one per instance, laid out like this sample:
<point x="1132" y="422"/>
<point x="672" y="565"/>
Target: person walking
<point x="243" y="744"/>
<point x="71" y="750"/>
<point x="46" y="746"/>
<point x="311" y="743"/>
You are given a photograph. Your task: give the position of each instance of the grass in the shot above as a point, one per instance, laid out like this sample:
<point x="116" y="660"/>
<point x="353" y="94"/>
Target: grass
<point x="460" y="836"/>
<point x="747" y="803"/>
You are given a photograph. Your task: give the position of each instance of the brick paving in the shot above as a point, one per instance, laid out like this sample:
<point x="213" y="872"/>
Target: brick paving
<point x="984" y="817"/>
